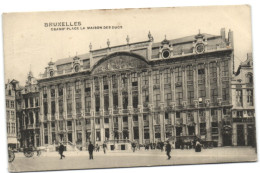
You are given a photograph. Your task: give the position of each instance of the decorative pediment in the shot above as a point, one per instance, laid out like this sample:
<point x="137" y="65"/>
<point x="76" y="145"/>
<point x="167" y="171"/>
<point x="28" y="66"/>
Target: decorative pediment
<point x="119" y="62"/>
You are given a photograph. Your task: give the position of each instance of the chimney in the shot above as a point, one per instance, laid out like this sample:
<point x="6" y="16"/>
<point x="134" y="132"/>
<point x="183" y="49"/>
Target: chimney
<point x="230" y="38"/>
<point x="223" y="34"/>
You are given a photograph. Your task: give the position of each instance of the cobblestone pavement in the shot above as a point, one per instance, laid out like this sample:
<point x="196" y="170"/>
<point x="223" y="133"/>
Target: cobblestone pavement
<point x="80" y="160"/>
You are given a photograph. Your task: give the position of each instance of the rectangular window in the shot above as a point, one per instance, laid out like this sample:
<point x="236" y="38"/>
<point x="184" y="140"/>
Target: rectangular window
<point x="167" y="76"/>
<point x="69" y="107"/>
<point x="106" y="120"/>
<point x="178" y="74"/>
<point x="97" y="120"/>
<point x="96" y="83"/>
<point x="190" y="94"/>
<point x="12" y="104"/>
<point x="115" y="100"/>
<point x="189" y="73"/>
<point x="135" y="100"/>
<point x="157" y="99"/>
<point x="52" y="108"/>
<point x="145" y="98"/>
<point x="135" y="118"/>
<point x="250" y="97"/>
<point x="106" y="102"/>
<point x="179" y="98"/>
<point x="125" y="119"/>
<point x="125" y="100"/>
<point x="52" y="91"/>
<point x="134" y="79"/>
<point x="88" y="86"/>
<point x="97" y="101"/>
<point x="7" y="103"/>
<point x="105" y="83"/>
<point x="214" y="127"/>
<point x="45" y="108"/>
<point x="78" y="105"/>
<point x="225" y="90"/>
<point x="61" y="107"/>
<point x="114" y="81"/>
<point x="45" y="92"/>
<point x="168" y="98"/>
<point x="124" y="80"/>
<point x="239" y="98"/>
<point x="60" y="88"/>
<point x="145" y="78"/>
<point x="178" y="114"/>
<point x="156" y="77"/>
<point x="87" y="105"/>
<point x="78" y="87"/>
<point x="225" y="68"/>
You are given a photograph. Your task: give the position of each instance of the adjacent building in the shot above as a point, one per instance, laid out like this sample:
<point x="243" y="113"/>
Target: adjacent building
<point x="145" y="92"/>
<point x="243" y="111"/>
<point x="11" y="113"/>
<point x="29" y="129"/>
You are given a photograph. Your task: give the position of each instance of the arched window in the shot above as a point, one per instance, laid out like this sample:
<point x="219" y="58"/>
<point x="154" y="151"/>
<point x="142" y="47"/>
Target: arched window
<point x="249" y="78"/>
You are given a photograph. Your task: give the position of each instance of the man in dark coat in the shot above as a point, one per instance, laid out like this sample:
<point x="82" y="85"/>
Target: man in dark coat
<point x="168" y="149"/>
<point x="61" y="149"/>
<point x="90" y="150"/>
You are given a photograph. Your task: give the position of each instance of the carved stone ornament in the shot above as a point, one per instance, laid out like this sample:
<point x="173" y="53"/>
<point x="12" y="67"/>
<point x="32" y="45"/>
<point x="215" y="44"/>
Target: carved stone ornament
<point x="207" y="102"/>
<point x="120" y="62"/>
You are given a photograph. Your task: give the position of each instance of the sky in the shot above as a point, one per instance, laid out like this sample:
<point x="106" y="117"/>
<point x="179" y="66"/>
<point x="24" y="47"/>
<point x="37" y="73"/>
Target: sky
<point x="28" y="44"/>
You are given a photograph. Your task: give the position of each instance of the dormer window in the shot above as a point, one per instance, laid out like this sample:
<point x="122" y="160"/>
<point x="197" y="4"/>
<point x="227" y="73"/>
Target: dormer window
<point x="51" y="73"/>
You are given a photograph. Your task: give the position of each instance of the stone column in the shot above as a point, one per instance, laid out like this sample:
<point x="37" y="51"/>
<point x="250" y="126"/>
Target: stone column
<point x="101" y="93"/>
<point x="207" y="81"/>
<point x="195" y="81"/>
<point x="184" y="127"/>
<point x="173" y="85"/>
<point x="130" y="96"/>
<point x="41" y="118"/>
<point x="93" y="110"/>
<point x="110" y="94"/>
<point x="83" y="125"/>
<point x="220" y="138"/>
<point x="49" y="115"/>
<point x="151" y="113"/>
<point x="130" y="127"/>
<point x="196" y="121"/>
<point x="83" y="122"/>
<point x="162" y="106"/>
<point x="234" y="134"/>
<point x="184" y="83"/>
<point x="219" y="83"/>
<point x="141" y="128"/>
<point x="140" y="92"/>
<point x="208" y="125"/>
<point x="64" y="101"/>
<point x="151" y="132"/>
<point x="119" y="85"/>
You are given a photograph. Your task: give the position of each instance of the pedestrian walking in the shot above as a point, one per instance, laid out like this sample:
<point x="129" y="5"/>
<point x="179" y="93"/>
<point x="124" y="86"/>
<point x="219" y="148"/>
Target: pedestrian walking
<point x="90" y="150"/>
<point x="168" y="149"/>
<point x="161" y="146"/>
<point x="104" y="147"/>
<point x="198" y="146"/>
<point x="61" y="150"/>
<point x="97" y="148"/>
<point x="133" y="146"/>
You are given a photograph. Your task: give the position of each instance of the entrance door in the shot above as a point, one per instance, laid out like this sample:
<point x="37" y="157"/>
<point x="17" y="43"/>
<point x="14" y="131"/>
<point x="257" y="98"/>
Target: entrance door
<point x="227" y="139"/>
<point x="70" y="137"/>
<point x="240" y="135"/>
<point x="250" y="135"/>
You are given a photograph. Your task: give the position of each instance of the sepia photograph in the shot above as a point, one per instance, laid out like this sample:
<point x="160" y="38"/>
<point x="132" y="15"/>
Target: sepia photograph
<point x="135" y="87"/>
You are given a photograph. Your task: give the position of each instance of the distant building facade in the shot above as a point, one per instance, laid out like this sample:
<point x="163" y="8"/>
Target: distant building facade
<point x="145" y="92"/>
<point x="243" y="111"/>
<point x="11" y="114"/>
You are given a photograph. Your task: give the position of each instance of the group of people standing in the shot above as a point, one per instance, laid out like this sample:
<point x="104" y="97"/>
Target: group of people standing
<point x="160" y="145"/>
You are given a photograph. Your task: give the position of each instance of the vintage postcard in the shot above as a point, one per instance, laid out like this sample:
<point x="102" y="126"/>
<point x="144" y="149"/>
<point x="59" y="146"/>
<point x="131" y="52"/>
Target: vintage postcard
<point x="152" y="87"/>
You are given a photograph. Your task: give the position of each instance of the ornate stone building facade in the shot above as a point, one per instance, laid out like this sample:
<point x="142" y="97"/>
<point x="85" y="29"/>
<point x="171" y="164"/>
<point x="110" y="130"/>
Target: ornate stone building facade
<point x="144" y="92"/>
<point x="29" y="113"/>
<point x="243" y="111"/>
